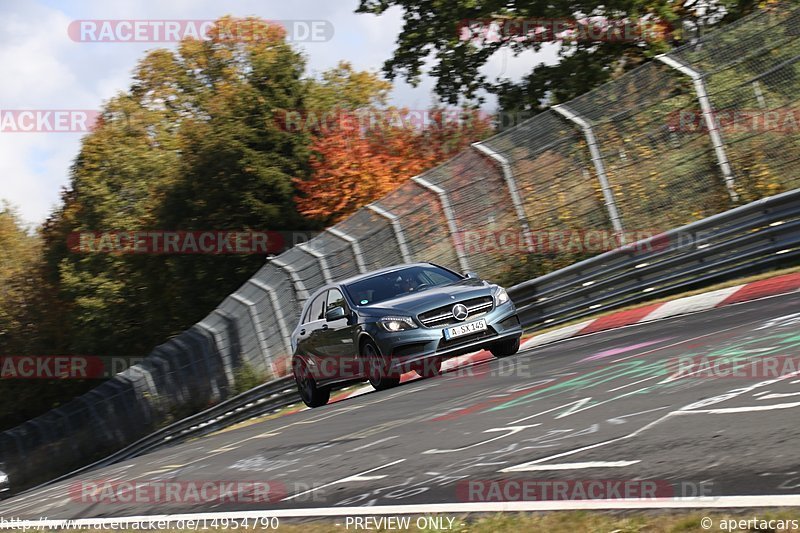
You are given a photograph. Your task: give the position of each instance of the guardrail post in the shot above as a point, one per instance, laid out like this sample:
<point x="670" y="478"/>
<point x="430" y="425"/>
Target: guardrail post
<point x="513" y="190"/>
<point x="599" y="167"/>
<point x="273" y="298"/>
<point x="215" y="335"/>
<point x="394" y="220"/>
<point x="299" y="286"/>
<point x="323" y="264"/>
<point x="262" y="339"/>
<point x="353" y="244"/>
<point x="449" y="215"/>
<point x="708" y="116"/>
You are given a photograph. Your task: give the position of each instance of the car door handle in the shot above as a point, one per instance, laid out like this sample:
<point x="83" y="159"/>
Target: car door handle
<point x="302" y="332"/>
<point x="324" y="326"/>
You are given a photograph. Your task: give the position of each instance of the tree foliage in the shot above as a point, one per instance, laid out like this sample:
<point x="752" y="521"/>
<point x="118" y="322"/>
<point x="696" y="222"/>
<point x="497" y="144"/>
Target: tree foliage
<point x="433" y="31"/>
<point x="191" y="146"/>
<point x="357" y="161"/>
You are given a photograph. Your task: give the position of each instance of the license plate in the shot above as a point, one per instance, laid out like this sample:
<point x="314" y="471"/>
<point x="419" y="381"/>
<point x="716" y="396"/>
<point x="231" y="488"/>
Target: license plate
<point x="465" y="329"/>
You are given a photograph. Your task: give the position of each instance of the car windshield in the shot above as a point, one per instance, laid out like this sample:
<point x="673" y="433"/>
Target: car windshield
<point x="386" y="286"/>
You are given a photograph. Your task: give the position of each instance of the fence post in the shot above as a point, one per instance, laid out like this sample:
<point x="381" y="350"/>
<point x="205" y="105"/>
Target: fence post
<point x="597" y="160"/>
<point x="299" y="286"/>
<point x="708" y="116"/>
<point x="278" y="310"/>
<point x="513" y="190"/>
<point x="353" y="244"/>
<point x="215" y="335"/>
<point x="449" y="215"/>
<point x="262" y="339"/>
<point x="323" y="264"/>
<point x="396" y="227"/>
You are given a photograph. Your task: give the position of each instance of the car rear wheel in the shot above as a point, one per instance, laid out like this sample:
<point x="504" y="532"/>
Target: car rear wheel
<point x="378" y="372"/>
<point x="505" y="348"/>
<point x="312" y="394"/>
<point x="429" y="368"/>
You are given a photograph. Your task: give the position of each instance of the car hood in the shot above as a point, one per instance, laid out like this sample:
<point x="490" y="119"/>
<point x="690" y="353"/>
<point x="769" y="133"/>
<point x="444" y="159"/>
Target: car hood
<point x="431" y="298"/>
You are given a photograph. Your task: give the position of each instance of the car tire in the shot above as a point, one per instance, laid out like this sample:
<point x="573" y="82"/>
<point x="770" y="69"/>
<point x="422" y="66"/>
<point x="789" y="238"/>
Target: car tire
<point x="429" y="368"/>
<point x="505" y="348"/>
<point x="312" y="394"/>
<point x="377" y="367"/>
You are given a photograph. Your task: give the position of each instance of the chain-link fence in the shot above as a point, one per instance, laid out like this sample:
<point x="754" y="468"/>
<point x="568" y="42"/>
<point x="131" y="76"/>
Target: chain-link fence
<point x="687" y="135"/>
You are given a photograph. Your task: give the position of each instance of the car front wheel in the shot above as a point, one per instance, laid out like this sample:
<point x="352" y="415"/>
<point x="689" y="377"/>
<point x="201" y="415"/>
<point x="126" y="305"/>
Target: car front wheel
<point x="505" y="348"/>
<point x="312" y="394"/>
<point x="378" y="368"/>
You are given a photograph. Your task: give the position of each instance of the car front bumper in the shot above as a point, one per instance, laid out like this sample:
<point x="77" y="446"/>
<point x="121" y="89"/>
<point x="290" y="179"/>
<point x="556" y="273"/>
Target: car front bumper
<point x="410" y="347"/>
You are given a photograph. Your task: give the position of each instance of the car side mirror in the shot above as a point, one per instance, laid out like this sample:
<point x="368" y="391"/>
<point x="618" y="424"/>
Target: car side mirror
<point x="334" y="314"/>
<point x="471" y="275"/>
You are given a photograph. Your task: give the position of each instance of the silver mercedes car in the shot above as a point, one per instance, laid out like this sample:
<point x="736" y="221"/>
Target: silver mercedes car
<point x="378" y="325"/>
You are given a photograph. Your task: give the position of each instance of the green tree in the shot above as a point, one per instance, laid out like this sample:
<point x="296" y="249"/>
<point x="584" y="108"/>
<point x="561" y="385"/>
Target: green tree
<point x="342" y="87"/>
<point x="193" y="145"/>
<point x="18" y="270"/>
<point x="436" y="28"/>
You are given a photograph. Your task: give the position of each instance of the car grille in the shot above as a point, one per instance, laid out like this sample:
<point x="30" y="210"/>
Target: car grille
<point x="443" y="316"/>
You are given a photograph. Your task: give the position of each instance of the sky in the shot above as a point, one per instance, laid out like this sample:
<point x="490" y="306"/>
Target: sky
<point x="44" y="69"/>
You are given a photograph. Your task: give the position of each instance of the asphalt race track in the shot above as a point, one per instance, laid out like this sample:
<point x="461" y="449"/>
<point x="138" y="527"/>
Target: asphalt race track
<point x="600" y="407"/>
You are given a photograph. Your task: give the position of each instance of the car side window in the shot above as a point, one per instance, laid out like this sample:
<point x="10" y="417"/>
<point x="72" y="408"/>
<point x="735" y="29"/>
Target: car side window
<point x="335" y="299"/>
<point x="316" y="311"/>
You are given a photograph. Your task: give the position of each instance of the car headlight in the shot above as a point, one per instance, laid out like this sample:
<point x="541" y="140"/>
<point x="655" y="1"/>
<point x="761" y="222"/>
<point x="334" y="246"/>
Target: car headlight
<point x="501" y="296"/>
<point x="396" y="323"/>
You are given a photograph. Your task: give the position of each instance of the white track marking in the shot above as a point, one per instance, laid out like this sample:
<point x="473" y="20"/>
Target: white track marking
<point x="373" y="443"/>
<point x="544" y="412"/>
<point x="510" y="429"/>
<point x="747" y="409"/>
<point x="355" y="477"/>
<point x="777" y="395"/>
<point x="621" y="419"/>
<point x="561" y="454"/>
<point x="634" y="383"/>
<point x="570" y="466"/>
<point x="777" y="500"/>
<point x="785" y="320"/>
<point x="575" y="408"/>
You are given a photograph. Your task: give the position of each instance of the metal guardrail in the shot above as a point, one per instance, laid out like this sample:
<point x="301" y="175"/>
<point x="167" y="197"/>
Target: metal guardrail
<point x="746" y="239"/>
<point x="260" y="400"/>
<point x="743" y="240"/>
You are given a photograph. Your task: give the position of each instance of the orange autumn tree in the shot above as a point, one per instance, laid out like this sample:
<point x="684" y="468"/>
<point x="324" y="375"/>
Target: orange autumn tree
<point x="362" y="156"/>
